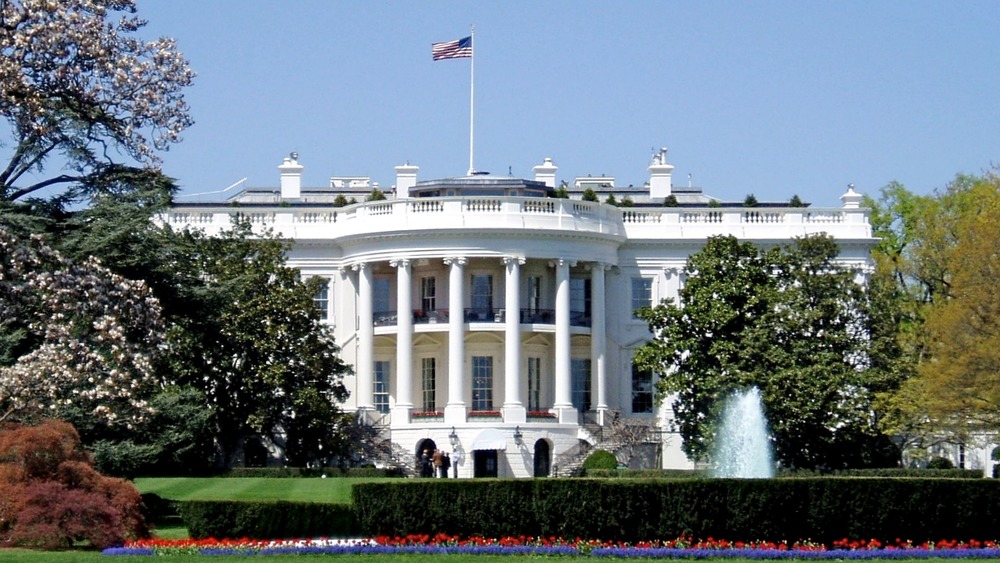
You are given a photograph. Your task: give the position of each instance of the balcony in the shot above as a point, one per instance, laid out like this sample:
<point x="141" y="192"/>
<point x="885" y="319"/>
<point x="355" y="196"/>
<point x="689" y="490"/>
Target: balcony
<point x="478" y="315"/>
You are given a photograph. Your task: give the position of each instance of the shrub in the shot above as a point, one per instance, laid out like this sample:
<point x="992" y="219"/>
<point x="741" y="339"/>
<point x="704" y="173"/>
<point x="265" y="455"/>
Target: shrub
<point x="52" y="495"/>
<point x="266" y="520"/>
<point x="940" y="463"/>
<point x="600" y="459"/>
<point x="51" y="515"/>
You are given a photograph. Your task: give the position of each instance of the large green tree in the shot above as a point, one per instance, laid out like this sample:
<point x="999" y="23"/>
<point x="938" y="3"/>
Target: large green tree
<point x="792" y="321"/>
<point x="242" y="327"/>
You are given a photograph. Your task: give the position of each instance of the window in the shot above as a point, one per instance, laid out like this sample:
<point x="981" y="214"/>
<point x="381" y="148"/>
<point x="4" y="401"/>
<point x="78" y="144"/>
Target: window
<point x="482" y="383"/>
<point x="534" y="293"/>
<point x="642" y="294"/>
<point x="428" y="374"/>
<point x="642" y="390"/>
<point x="428" y="294"/>
<point x="382" y="386"/>
<point x="322" y="300"/>
<point x="380" y="296"/>
<point x="580" y="372"/>
<point x="579" y="296"/>
<point x="482" y="295"/>
<point x="534" y="384"/>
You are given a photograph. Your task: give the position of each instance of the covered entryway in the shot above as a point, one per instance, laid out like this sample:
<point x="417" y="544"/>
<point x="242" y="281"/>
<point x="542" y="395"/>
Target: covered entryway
<point x="485" y="448"/>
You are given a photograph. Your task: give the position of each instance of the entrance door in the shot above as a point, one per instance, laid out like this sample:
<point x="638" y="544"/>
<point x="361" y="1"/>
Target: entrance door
<point x="542" y="459"/>
<point x="484" y="463"/>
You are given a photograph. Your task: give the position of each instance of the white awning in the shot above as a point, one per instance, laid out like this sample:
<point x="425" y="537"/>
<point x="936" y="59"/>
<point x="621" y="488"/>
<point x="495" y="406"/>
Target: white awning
<point x="490" y="439"/>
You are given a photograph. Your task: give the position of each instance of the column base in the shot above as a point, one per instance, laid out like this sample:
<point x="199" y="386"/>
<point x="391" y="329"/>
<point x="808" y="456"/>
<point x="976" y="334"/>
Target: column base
<point x="400" y="415"/>
<point x="455" y="414"/>
<point x="567" y="415"/>
<point x="513" y="414"/>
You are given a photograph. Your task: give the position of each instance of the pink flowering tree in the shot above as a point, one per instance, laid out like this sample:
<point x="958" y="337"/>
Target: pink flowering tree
<point x="78" y="85"/>
<point x="73" y="336"/>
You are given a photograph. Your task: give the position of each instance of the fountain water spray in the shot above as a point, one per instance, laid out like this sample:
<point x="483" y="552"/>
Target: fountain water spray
<point x="743" y="443"/>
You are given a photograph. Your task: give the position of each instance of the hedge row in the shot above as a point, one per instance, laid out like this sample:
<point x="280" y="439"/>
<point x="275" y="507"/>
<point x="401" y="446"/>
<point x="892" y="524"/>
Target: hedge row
<point x="822" y="509"/>
<point x="266" y="520"/>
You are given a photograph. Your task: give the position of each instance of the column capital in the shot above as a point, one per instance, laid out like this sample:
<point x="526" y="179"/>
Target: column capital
<point x="562" y="262"/>
<point x="460" y="260"/>
<point x="518" y="259"/>
<point x="599" y="266"/>
<point x="400" y="263"/>
<point x="672" y="271"/>
<point x="359" y="266"/>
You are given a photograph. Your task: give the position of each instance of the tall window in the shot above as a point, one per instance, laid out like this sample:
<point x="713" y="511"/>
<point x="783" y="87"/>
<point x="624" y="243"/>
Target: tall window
<point x="642" y="390"/>
<point x="380" y="296"/>
<point x="642" y="294"/>
<point x="322" y="300"/>
<point x="579" y="301"/>
<point x="482" y="383"/>
<point x="428" y="294"/>
<point x="428" y="384"/>
<point x="534" y="293"/>
<point x="381" y="386"/>
<point x="482" y="293"/>
<point x="534" y="384"/>
<point x="580" y="372"/>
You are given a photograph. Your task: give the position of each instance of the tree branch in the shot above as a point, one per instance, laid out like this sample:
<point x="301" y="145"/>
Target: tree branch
<point x="62" y="179"/>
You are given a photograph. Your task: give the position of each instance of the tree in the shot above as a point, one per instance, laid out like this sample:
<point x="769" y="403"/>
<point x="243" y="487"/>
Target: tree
<point x="796" y="201"/>
<point x="670" y="201"/>
<point x="267" y="365"/>
<point x="790" y="321"/>
<point x="750" y="201"/>
<point x="960" y="376"/>
<point x="73" y="336"/>
<point x="76" y="84"/>
<point x="375" y="195"/>
<point x="589" y="195"/>
<point x="611" y="200"/>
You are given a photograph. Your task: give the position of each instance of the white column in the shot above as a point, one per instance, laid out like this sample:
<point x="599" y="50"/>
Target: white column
<point x="404" y="344"/>
<point x="598" y="341"/>
<point x="454" y="410"/>
<point x="513" y="408"/>
<point x="564" y="382"/>
<point x="366" y="339"/>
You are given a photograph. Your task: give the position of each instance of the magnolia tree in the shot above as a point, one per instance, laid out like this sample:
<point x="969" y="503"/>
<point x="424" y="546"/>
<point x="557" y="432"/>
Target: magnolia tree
<point x="72" y="336"/>
<point x="77" y="85"/>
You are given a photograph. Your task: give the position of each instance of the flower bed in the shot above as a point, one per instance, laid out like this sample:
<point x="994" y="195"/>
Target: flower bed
<point x="680" y="548"/>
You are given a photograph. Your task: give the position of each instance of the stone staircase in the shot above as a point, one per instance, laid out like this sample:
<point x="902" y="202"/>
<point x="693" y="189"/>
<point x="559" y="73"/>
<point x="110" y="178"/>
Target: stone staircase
<point x="618" y="435"/>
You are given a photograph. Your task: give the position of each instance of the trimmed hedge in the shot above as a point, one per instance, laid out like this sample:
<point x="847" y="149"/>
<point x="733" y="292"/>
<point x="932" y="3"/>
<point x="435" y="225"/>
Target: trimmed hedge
<point x="821" y="509"/>
<point x="266" y="520"/>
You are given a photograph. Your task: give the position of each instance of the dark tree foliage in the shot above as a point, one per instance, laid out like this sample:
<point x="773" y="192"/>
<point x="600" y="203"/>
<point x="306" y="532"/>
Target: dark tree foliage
<point x="790" y="321"/>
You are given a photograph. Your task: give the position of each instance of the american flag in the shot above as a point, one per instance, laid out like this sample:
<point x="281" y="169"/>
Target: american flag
<point x="458" y="49"/>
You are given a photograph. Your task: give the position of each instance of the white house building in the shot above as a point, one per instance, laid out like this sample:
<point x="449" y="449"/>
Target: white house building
<point x="487" y="318"/>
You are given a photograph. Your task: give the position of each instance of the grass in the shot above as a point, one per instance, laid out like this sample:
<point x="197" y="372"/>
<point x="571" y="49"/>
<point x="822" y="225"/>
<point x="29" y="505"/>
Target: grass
<point x="334" y="490"/>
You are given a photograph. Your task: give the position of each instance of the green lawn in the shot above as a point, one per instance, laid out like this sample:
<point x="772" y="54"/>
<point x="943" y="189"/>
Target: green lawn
<point x="334" y="490"/>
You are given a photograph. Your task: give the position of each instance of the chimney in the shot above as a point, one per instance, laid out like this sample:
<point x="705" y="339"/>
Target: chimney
<point x="406" y="178"/>
<point x="291" y="177"/>
<point x="660" y="172"/>
<point x="546" y="173"/>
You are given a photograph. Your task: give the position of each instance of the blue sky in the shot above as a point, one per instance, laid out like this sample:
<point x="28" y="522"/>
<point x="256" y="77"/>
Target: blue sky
<point x="768" y="97"/>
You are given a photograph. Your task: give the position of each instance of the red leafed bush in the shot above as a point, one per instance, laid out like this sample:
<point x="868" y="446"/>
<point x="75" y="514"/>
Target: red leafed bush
<point x="53" y="516"/>
<point x="51" y="495"/>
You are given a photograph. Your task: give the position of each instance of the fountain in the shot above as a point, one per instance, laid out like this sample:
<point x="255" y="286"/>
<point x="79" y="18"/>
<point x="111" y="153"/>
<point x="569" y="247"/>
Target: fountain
<point x="743" y="444"/>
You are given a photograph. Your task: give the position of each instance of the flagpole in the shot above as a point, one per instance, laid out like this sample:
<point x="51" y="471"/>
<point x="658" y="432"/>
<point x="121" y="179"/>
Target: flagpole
<point x="472" y="101"/>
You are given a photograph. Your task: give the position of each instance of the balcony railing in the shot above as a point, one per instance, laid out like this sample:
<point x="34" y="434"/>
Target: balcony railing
<point x="481" y="315"/>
